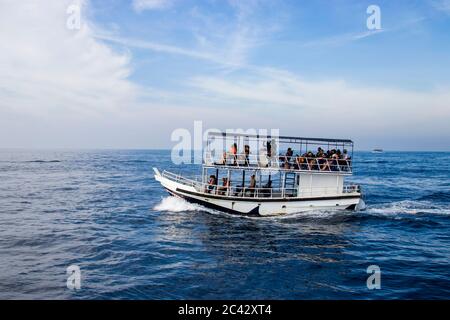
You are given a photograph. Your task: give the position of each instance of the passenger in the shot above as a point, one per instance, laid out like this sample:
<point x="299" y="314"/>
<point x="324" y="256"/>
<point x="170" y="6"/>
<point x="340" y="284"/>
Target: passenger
<point x="233" y="152"/>
<point x="333" y="152"/>
<point x="297" y="162"/>
<point x="319" y="153"/>
<point x="247" y="154"/>
<point x="269" y="149"/>
<point x="252" y="185"/>
<point x="287" y="158"/>
<point x="212" y="183"/>
<point x="223" y="161"/>
<point x="346" y="161"/>
<point x="321" y="159"/>
<point x="303" y="165"/>
<point x="336" y="162"/>
<point x="289" y="154"/>
<point x="325" y="165"/>
<point x="223" y="190"/>
<point x="345" y="155"/>
<point x="313" y="165"/>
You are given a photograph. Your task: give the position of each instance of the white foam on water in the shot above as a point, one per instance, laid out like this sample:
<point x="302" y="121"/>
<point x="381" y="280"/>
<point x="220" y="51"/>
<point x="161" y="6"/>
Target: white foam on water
<point x="408" y="207"/>
<point x="174" y="204"/>
<point x="318" y="213"/>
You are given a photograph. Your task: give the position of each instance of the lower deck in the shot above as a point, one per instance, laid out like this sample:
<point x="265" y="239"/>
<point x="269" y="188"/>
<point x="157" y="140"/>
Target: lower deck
<point x="255" y="201"/>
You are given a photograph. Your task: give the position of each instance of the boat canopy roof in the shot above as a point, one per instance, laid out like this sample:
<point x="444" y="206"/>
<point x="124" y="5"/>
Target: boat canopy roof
<point x="281" y="139"/>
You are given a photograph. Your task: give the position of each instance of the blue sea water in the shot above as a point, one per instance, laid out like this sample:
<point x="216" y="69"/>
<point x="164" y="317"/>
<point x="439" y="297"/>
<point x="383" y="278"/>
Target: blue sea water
<point x="103" y="211"/>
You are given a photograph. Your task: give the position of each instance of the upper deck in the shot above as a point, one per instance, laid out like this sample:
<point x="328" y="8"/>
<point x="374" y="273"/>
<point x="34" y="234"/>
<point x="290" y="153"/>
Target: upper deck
<point x="299" y="154"/>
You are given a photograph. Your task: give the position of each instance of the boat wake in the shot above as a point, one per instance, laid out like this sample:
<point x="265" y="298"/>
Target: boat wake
<point x="408" y="207"/>
<point x="174" y="204"/>
<point x="393" y="209"/>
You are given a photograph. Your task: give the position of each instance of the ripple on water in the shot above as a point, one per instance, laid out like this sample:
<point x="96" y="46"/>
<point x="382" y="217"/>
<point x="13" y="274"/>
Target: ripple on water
<point x="103" y="211"/>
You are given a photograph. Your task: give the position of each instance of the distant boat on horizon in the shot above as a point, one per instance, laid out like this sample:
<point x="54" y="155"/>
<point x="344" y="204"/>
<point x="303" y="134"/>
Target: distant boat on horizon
<point x="378" y="150"/>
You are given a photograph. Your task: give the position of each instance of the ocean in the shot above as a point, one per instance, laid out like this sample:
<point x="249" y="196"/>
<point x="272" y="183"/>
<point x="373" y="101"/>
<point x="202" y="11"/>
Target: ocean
<point x="102" y="210"/>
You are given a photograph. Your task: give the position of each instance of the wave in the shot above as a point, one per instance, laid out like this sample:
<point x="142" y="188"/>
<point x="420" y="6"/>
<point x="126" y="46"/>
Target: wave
<point x="439" y="196"/>
<point x="405" y="183"/>
<point x="394" y="210"/>
<point x="43" y="161"/>
<point x="174" y="204"/>
<point x="408" y="207"/>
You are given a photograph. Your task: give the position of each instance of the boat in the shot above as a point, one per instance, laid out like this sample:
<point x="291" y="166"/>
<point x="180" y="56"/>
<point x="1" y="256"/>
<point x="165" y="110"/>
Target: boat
<point x="377" y="150"/>
<point x="267" y="181"/>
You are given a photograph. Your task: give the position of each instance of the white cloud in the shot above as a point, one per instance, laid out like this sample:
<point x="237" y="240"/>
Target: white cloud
<point x="141" y="5"/>
<point x="342" y="39"/>
<point x="56" y="82"/>
<point x="160" y="47"/>
<point x="227" y="43"/>
<point x="48" y="69"/>
<point x="333" y="108"/>
<point x="61" y="87"/>
<point x="441" y="5"/>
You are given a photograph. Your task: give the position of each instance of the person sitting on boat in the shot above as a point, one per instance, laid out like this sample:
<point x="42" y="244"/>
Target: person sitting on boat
<point x="297" y="162"/>
<point x="308" y="156"/>
<point x="326" y="165"/>
<point x="313" y="164"/>
<point x="252" y="186"/>
<point x="345" y="155"/>
<point x="345" y="160"/>
<point x="289" y="154"/>
<point x="223" y="190"/>
<point x="287" y="158"/>
<point x="300" y="163"/>
<point x="335" y="161"/>
<point x="320" y="152"/>
<point x="212" y="183"/>
<point x="322" y="157"/>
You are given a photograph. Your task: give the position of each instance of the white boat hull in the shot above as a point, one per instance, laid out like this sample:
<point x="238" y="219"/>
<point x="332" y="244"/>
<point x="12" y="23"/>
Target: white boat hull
<point x="261" y="206"/>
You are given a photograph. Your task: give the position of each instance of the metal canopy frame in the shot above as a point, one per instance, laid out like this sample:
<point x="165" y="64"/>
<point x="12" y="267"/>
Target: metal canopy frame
<point x="283" y="139"/>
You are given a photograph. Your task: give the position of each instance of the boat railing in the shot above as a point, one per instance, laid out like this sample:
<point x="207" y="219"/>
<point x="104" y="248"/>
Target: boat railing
<point x="316" y="191"/>
<point x="288" y="163"/>
<point x="181" y="179"/>
<point x="263" y="192"/>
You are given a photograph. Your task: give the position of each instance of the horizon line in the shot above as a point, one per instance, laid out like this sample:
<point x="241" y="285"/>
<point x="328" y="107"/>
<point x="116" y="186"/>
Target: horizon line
<point x="168" y="149"/>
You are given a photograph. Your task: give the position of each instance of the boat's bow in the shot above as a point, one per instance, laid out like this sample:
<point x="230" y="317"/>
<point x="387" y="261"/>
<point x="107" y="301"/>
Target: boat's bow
<point x="174" y="183"/>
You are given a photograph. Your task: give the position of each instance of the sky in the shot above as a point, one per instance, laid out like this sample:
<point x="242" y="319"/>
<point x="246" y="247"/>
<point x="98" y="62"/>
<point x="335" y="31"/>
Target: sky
<point x="127" y="74"/>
